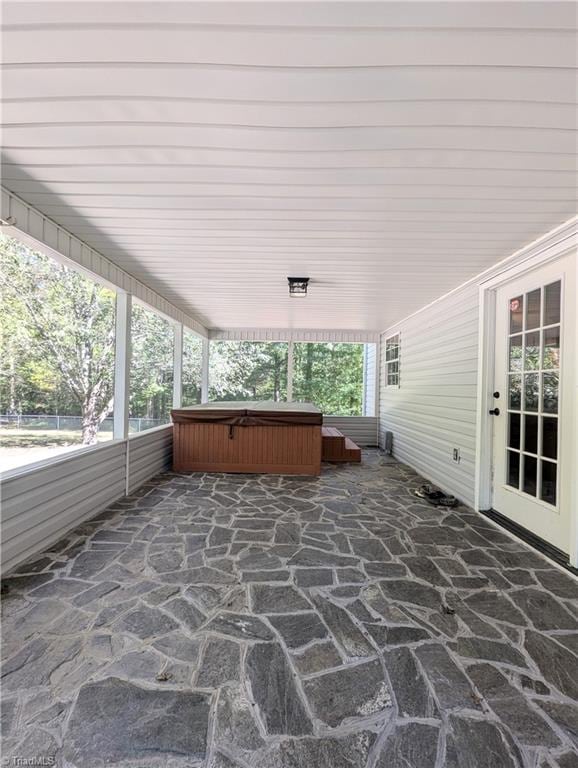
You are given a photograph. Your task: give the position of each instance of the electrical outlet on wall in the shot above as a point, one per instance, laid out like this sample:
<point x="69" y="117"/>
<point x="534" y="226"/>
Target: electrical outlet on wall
<point x="456" y="455"/>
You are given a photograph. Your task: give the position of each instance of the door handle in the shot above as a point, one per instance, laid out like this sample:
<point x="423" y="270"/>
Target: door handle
<point x="494" y="412"/>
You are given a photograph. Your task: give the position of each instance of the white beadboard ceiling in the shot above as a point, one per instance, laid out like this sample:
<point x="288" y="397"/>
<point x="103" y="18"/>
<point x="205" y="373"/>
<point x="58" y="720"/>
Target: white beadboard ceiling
<point x="390" y="151"/>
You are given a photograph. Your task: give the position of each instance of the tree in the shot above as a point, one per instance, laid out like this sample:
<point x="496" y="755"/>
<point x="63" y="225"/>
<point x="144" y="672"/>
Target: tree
<point x="58" y="337"/>
<point x="248" y="370"/>
<point x="151" y="370"/>
<point x="330" y="375"/>
<point x="57" y="353"/>
<point x="192" y="368"/>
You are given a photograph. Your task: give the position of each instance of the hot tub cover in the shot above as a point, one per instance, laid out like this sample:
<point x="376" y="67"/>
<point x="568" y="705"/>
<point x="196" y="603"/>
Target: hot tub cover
<point x="248" y="413"/>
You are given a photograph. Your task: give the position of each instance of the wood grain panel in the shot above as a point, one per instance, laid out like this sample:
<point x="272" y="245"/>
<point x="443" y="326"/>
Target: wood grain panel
<point x="338" y="448"/>
<point x="287" y="450"/>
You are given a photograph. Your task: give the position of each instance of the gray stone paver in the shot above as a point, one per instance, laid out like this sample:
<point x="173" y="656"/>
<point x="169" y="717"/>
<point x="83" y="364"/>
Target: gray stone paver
<point x="217" y="621"/>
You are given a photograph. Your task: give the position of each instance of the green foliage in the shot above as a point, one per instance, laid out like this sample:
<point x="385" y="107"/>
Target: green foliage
<point x="151" y="370"/>
<point x="192" y="368"/>
<point x="57" y="342"/>
<point x="57" y="353"/>
<point x="248" y="370"/>
<point x="330" y="375"/>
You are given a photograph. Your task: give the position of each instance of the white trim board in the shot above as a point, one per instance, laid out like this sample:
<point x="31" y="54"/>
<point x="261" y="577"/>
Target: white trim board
<point x="293" y="334"/>
<point x="43" y="234"/>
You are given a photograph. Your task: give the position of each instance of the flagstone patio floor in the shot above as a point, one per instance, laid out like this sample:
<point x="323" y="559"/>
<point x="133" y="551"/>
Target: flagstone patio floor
<point x="236" y="621"/>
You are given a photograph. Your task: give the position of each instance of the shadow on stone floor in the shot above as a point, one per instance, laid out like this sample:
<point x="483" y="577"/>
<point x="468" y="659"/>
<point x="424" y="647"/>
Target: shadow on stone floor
<point x="229" y="621"/>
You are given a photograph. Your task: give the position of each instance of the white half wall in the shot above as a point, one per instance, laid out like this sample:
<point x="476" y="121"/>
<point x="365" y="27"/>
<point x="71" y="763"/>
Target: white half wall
<point x="361" y="429"/>
<point x="149" y="453"/>
<point x="40" y="504"/>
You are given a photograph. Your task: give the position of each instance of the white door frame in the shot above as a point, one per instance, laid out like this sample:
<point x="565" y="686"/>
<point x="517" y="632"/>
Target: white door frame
<point x="559" y="244"/>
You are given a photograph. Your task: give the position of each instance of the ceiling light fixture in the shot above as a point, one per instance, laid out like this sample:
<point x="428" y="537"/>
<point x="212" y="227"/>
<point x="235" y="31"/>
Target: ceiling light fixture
<point x="298" y="286"/>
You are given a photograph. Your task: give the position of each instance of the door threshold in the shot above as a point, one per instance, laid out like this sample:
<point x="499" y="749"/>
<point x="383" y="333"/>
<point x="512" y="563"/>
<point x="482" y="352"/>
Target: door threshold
<point x="544" y="547"/>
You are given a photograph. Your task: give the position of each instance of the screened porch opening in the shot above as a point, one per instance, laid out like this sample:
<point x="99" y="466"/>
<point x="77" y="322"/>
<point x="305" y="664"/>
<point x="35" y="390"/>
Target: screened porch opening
<point x="60" y="359"/>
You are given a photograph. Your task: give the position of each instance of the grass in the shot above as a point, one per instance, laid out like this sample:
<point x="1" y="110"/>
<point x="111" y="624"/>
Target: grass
<point x="38" y="438"/>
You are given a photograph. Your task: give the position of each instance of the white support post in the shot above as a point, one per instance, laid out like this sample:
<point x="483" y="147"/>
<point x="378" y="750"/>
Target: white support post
<point x="290" y="372"/>
<point x="205" y="372"/>
<point x="178" y="367"/>
<point x="370" y="388"/>
<point x="122" y="366"/>
<point x="377" y="380"/>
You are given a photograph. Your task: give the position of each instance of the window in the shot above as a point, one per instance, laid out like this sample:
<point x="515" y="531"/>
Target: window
<point x="329" y="375"/>
<point x="534" y="391"/>
<point x="56" y="357"/>
<point x="151" y="369"/>
<point x="392" y="354"/>
<point x="192" y="368"/>
<point x="248" y="370"/>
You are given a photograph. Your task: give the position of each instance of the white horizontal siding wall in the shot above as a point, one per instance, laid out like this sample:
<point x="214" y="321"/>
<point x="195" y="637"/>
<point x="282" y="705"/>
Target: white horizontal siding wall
<point x="361" y="429"/>
<point x="149" y="453"/>
<point x="40" y="505"/>
<point x="370" y="355"/>
<point x="434" y="409"/>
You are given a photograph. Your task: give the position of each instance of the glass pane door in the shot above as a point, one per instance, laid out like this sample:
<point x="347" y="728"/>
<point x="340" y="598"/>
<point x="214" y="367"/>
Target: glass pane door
<point x="533" y="392"/>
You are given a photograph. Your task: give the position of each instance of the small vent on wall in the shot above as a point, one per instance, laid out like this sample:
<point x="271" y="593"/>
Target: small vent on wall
<point x="389" y="443"/>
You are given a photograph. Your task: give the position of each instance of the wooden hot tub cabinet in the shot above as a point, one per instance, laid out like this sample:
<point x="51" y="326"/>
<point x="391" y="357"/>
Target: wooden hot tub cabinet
<point x="254" y="437"/>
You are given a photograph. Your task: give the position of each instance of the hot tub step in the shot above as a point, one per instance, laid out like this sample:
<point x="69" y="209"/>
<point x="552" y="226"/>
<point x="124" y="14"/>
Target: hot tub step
<point x="352" y="451"/>
<point x="338" y="448"/>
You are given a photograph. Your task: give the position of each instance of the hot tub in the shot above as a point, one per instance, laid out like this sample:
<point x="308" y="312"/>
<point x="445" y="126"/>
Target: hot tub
<point x="250" y="436"/>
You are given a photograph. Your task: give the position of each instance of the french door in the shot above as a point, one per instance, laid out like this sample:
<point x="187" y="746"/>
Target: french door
<point x="533" y="400"/>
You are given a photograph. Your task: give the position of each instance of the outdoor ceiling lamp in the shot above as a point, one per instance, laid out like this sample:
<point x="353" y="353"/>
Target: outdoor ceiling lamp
<point x="298" y="286"/>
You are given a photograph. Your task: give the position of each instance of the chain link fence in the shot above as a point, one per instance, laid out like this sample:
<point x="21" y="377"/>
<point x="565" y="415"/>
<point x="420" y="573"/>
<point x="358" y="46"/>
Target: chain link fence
<point x="47" y="423"/>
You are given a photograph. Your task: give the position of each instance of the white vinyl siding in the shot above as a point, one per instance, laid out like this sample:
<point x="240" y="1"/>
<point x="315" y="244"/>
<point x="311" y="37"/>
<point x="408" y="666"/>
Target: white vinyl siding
<point x="434" y="409"/>
<point x="41" y="504"/>
<point x="361" y="429"/>
<point x="149" y="453"/>
<point x="39" y="232"/>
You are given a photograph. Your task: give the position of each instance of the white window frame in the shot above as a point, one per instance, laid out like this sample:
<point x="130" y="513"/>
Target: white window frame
<point x="65" y="249"/>
<point x="121" y="342"/>
<point x="396" y="359"/>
